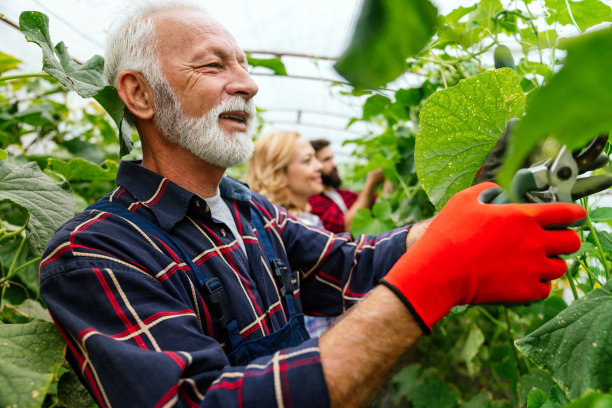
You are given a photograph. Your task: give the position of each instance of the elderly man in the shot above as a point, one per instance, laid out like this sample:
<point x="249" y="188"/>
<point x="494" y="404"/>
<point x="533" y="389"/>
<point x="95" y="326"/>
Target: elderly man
<point x="180" y="287"/>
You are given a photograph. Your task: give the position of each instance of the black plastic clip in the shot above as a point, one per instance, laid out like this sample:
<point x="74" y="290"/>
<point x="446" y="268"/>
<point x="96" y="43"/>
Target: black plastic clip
<point x="217" y="296"/>
<point x="282" y="272"/>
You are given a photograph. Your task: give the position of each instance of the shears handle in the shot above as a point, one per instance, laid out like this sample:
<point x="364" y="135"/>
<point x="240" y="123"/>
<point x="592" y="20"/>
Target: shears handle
<point x="522" y="182"/>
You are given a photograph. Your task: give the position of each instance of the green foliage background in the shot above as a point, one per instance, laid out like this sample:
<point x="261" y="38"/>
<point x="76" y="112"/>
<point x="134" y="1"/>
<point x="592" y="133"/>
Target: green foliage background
<point x="431" y="140"/>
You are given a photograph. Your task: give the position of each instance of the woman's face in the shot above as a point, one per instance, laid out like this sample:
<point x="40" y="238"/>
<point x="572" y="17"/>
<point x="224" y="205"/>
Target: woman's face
<point x="304" y="171"/>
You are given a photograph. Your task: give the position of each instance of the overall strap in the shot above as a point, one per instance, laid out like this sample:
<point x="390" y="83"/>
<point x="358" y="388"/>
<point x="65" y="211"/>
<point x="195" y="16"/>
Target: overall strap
<point x="212" y="286"/>
<point x="281" y="272"/>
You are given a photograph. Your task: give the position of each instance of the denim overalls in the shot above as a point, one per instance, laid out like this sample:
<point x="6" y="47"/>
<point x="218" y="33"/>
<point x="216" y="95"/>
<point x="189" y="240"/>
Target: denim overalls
<point x="240" y="352"/>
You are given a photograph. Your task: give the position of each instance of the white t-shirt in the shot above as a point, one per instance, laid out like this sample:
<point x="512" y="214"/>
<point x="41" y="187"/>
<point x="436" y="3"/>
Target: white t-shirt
<point x="335" y="196"/>
<point x="221" y="212"/>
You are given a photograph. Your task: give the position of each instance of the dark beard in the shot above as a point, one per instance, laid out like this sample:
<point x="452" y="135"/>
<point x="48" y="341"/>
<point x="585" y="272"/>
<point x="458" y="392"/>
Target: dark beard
<point x="331" y="179"/>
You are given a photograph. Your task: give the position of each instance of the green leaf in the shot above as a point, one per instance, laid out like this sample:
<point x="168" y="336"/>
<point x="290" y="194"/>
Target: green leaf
<point x="47" y="202"/>
<point x="3" y="155"/>
<point x="8" y="62"/>
<point x="71" y="393"/>
<point x="381" y="210"/>
<point x="574" y="106"/>
<point x="386" y="34"/>
<point x="434" y="393"/>
<point x="586" y="248"/>
<point x="29" y="310"/>
<point x="574" y="346"/>
<point x="587" y="13"/>
<point x="605" y="239"/>
<point x="535" y="380"/>
<point x="459" y="126"/>
<point x="406" y="381"/>
<point x="375" y="105"/>
<point x="87" y="80"/>
<point x="541" y="312"/>
<point x="601" y="214"/>
<point x="275" y="64"/>
<point x="482" y="400"/>
<point x="78" y="169"/>
<point x="30" y="356"/>
<point x="594" y="400"/>
<point x="538" y="399"/>
<point x="109" y="99"/>
<point x="470" y="349"/>
<point x="364" y="223"/>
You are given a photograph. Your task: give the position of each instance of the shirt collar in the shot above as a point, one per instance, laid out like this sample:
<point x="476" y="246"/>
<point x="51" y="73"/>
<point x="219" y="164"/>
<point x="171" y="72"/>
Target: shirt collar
<point x="168" y="201"/>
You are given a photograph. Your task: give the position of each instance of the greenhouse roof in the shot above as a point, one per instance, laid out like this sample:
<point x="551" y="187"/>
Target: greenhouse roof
<point x="304" y="101"/>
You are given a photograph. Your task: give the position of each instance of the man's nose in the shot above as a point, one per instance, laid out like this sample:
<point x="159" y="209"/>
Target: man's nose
<point x="242" y="84"/>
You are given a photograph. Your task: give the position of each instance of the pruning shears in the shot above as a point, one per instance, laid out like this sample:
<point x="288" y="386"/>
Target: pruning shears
<point x="555" y="179"/>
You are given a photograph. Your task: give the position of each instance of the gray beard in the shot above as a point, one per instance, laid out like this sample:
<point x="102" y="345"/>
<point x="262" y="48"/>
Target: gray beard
<point x="202" y="136"/>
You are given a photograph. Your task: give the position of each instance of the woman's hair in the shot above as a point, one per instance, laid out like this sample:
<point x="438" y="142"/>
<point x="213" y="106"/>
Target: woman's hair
<point x="268" y="167"/>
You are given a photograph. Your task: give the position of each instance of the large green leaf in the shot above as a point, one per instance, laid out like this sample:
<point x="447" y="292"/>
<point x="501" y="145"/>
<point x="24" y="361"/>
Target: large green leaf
<point x="30" y="356"/>
<point x="459" y="126"/>
<point x="574" y="346"/>
<point x="47" y="202"/>
<point x="575" y="105"/>
<point x="87" y="79"/>
<point x="386" y="34"/>
<point x="71" y="393"/>
<point x="78" y="169"/>
<point x="586" y="13"/>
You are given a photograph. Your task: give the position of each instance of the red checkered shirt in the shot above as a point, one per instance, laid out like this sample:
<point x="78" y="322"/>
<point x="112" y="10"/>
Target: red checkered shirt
<point x="329" y="212"/>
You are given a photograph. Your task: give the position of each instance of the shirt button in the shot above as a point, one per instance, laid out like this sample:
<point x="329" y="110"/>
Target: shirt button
<point x="197" y="203"/>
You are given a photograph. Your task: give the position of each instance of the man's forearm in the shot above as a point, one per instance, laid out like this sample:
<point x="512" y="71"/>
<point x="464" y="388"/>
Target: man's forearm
<point x="416" y="231"/>
<point x="359" y="353"/>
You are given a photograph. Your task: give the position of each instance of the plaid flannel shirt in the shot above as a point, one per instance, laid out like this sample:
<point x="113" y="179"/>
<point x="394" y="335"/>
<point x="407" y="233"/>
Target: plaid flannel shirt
<point x="328" y="211"/>
<point x="138" y="329"/>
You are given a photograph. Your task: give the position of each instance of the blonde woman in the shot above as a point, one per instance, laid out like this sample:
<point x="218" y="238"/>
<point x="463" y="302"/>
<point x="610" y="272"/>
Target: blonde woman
<point x="285" y="169"/>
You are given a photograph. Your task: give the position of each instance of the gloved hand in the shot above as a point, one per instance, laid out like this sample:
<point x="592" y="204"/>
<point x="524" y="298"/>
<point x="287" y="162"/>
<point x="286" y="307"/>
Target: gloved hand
<point x="474" y="253"/>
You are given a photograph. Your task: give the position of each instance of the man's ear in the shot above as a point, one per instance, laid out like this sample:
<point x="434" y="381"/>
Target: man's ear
<point x="136" y="93"/>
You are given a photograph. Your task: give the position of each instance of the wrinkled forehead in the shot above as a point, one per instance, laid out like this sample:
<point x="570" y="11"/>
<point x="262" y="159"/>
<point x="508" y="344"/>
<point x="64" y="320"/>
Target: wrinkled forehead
<point x="190" y="31"/>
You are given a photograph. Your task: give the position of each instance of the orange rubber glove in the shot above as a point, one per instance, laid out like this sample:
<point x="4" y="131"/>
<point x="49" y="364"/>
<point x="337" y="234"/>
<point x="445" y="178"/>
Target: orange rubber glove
<point x="473" y="252"/>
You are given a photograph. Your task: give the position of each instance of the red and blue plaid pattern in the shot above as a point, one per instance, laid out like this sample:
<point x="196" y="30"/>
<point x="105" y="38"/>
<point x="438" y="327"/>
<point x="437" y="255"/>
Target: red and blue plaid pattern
<point x="328" y="211"/>
<point x="138" y="329"/>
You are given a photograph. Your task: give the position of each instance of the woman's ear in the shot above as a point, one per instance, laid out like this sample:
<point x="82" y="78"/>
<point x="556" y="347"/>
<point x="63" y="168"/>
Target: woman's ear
<point x="136" y="93"/>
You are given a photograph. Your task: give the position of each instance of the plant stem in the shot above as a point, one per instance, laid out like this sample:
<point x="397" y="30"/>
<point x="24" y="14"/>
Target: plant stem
<point x="11" y="270"/>
<point x="511" y="340"/>
<point x="569" y="10"/>
<point x="12" y="234"/>
<point x="602" y="255"/>
<point x="24" y="76"/>
<point x="590" y="274"/>
<point x="26" y="264"/>
<point x="407" y="189"/>
<point x="570" y="278"/>
<point x="488" y="315"/>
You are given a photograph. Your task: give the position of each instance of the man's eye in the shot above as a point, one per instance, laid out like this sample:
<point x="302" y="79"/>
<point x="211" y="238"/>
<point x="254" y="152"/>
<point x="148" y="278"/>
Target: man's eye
<point x="213" y="65"/>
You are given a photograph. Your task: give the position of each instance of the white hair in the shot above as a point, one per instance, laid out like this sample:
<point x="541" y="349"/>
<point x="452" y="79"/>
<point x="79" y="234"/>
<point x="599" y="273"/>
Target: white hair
<point x="132" y="43"/>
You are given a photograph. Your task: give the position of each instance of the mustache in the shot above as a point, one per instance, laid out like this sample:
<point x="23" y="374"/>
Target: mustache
<point x="235" y="104"/>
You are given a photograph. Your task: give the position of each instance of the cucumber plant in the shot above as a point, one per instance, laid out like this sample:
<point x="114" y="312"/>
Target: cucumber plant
<point x="434" y="129"/>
